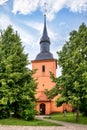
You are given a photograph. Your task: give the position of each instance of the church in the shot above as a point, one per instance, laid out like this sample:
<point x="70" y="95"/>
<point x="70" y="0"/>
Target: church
<point x="45" y="63"/>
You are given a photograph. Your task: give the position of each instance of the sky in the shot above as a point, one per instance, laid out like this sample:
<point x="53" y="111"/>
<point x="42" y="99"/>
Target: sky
<point x="27" y="18"/>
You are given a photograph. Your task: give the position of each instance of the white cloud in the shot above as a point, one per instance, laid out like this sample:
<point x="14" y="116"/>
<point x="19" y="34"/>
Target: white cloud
<point x="4" y="21"/>
<point x="27" y="38"/>
<point x="53" y="6"/>
<point x="29" y="41"/>
<point x="3" y="1"/>
<point x="77" y="6"/>
<point x="24" y="6"/>
<point x="35" y="25"/>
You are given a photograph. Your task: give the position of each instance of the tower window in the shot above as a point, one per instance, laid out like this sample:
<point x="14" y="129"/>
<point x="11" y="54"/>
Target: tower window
<point x="43" y="68"/>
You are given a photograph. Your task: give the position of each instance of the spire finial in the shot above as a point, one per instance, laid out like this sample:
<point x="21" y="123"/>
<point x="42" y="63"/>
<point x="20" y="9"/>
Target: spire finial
<point x="45" y="37"/>
<point x="44" y="41"/>
<point x="45" y="8"/>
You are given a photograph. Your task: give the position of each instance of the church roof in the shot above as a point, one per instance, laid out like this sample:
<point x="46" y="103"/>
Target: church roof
<point x="44" y="56"/>
<point x="45" y="37"/>
<point x="45" y="53"/>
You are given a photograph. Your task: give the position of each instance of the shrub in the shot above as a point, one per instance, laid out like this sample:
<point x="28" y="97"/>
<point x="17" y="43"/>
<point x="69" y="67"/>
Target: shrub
<point x="4" y="113"/>
<point x="29" y="114"/>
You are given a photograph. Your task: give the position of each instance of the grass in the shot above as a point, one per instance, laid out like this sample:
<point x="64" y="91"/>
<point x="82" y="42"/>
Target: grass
<point x="69" y="118"/>
<point x="20" y="122"/>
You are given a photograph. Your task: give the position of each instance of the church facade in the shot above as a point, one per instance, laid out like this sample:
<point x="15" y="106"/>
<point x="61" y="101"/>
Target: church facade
<point x="44" y="63"/>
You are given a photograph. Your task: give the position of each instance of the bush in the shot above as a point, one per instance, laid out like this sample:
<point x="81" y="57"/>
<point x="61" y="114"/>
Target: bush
<point x="29" y="114"/>
<point x="4" y="113"/>
<point x="26" y="110"/>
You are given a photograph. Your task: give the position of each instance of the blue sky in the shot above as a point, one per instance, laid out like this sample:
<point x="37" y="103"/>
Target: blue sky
<point x="26" y="16"/>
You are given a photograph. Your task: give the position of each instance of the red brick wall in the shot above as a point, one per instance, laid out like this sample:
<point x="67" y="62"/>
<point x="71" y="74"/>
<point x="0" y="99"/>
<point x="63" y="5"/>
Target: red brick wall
<point x="44" y="80"/>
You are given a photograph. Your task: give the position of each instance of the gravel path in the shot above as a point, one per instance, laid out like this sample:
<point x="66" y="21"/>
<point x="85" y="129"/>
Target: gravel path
<point x="66" y="126"/>
<point x="34" y="128"/>
<point x="2" y="127"/>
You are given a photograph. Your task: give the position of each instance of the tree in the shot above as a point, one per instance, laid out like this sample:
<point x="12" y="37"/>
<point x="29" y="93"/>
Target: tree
<point x="83" y="108"/>
<point x="17" y="86"/>
<point x="72" y="84"/>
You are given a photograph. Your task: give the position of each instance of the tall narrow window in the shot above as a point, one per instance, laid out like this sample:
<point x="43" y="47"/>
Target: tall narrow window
<point x="43" y="68"/>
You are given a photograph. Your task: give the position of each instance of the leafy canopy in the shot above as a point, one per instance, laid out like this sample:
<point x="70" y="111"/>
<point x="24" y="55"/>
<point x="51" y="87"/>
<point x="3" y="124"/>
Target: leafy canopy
<point x="17" y="86"/>
<point x="72" y="84"/>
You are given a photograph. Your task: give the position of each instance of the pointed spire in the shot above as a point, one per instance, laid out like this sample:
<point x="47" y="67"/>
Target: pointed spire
<point x="45" y="29"/>
<point x="45" y="53"/>
<point x="45" y="37"/>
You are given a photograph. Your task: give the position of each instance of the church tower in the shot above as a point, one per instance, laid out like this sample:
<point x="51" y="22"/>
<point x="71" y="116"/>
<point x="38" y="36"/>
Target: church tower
<point x="44" y="63"/>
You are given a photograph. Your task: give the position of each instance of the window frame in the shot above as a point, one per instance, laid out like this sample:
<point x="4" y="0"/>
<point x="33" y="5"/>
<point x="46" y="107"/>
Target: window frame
<point x="43" y="68"/>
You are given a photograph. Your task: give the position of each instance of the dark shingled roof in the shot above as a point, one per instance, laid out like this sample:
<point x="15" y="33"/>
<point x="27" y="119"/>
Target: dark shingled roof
<point x="44" y="45"/>
<point x="45" y="37"/>
<point x="44" y="56"/>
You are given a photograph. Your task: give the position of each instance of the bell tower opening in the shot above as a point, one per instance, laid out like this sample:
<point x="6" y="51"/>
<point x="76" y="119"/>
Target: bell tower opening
<point x="43" y="68"/>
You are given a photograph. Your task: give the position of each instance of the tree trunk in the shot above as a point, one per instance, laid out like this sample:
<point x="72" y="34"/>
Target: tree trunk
<point x="15" y="109"/>
<point x="77" y="114"/>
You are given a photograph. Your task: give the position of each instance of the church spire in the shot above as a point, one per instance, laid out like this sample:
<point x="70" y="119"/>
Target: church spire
<point x="45" y="53"/>
<point x="45" y="37"/>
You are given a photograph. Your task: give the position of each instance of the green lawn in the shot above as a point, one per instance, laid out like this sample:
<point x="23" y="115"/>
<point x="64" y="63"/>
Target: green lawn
<point x="20" y="122"/>
<point x="68" y="118"/>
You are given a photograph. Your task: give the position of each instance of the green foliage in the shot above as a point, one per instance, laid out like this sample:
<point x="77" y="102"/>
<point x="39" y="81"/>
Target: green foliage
<point x="17" y="86"/>
<point x="28" y="114"/>
<point x="56" y="89"/>
<point x="72" y="84"/>
<point x="4" y="111"/>
<point x="73" y="60"/>
<point x="83" y="108"/>
<point x="26" y="110"/>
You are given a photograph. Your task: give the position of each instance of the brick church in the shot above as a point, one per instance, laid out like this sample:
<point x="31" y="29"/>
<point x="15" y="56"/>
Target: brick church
<point x="45" y="63"/>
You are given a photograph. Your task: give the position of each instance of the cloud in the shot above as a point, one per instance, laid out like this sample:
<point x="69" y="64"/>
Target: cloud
<point x="4" y="21"/>
<point x="77" y="5"/>
<point x="29" y="41"/>
<point x="27" y="38"/>
<point x="25" y="6"/>
<point x="3" y="1"/>
<point x="38" y="26"/>
<point x="53" y="6"/>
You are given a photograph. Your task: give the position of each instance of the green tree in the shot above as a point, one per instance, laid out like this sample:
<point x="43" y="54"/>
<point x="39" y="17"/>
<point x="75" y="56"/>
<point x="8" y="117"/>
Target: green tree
<point x="72" y="84"/>
<point x="17" y="86"/>
<point x="83" y="107"/>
